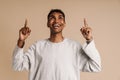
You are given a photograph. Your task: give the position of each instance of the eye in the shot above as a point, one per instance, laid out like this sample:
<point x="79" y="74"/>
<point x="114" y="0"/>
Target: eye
<point x="51" y="17"/>
<point x="61" y="17"/>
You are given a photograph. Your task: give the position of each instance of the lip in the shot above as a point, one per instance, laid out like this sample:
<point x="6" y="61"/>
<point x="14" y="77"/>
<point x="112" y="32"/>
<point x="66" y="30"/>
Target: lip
<point x="56" y="26"/>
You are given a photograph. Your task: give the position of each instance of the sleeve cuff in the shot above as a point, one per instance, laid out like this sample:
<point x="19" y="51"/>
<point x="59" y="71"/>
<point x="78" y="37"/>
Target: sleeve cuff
<point x="91" y="50"/>
<point x="91" y="44"/>
<point x="18" y="52"/>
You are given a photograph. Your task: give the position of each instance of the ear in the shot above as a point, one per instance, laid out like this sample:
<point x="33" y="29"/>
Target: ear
<point x="65" y="24"/>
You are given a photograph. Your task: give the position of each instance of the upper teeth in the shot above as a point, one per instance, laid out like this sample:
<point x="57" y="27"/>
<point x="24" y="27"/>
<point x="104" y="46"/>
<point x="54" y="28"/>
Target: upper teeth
<point x="56" y="25"/>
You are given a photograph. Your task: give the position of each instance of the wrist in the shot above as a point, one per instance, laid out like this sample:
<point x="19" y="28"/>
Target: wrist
<point x="89" y="40"/>
<point x="20" y="43"/>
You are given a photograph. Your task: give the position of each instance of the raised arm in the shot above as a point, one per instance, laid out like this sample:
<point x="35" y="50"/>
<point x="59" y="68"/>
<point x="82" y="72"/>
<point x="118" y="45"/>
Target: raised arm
<point x="90" y="60"/>
<point x="21" y="60"/>
<point x="24" y="32"/>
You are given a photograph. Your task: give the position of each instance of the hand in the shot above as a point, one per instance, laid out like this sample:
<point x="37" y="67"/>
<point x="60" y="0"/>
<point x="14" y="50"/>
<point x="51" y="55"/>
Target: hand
<point x="23" y="35"/>
<point x="24" y="32"/>
<point x="86" y="31"/>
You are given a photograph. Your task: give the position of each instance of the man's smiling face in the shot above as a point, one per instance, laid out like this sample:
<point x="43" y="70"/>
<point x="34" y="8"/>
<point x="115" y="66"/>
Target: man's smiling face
<point x="56" y="22"/>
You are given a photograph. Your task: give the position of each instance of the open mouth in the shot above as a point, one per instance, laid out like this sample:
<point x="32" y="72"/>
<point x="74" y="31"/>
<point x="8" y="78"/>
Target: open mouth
<point x="56" y="26"/>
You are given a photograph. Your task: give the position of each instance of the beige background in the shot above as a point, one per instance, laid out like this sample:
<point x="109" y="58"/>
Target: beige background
<point x="102" y="15"/>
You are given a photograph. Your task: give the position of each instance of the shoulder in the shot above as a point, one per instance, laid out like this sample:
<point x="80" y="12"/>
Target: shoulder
<point x="39" y="43"/>
<point x="73" y="42"/>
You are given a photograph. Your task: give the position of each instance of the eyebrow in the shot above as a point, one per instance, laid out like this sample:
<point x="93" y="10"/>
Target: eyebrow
<point x="53" y="15"/>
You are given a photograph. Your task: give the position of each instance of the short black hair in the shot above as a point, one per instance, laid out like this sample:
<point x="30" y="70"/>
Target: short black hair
<point x="55" y="10"/>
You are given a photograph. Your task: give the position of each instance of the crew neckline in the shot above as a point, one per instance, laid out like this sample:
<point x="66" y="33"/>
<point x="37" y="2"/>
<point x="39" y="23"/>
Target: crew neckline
<point x="56" y="42"/>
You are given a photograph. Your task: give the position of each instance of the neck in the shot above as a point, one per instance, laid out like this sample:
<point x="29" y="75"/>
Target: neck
<point x="56" y="38"/>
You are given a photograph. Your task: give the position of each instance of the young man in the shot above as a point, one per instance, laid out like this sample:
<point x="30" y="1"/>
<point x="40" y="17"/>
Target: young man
<point x="56" y="58"/>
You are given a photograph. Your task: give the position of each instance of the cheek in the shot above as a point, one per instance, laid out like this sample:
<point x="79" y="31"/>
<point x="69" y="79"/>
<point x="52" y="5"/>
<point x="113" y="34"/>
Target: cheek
<point x="49" y="23"/>
<point x="62" y="21"/>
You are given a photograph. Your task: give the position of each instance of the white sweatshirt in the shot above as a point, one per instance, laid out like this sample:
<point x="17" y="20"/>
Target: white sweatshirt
<point x="46" y="60"/>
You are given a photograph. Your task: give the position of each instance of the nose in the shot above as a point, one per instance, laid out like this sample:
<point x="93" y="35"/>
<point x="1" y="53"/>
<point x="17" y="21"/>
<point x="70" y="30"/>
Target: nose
<point x="56" y="20"/>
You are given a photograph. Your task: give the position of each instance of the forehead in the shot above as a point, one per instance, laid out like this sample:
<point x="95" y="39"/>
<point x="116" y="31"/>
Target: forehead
<point x="56" y="14"/>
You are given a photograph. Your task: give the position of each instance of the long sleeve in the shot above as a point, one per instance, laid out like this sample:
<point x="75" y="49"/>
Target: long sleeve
<point x="22" y="60"/>
<point x="90" y="60"/>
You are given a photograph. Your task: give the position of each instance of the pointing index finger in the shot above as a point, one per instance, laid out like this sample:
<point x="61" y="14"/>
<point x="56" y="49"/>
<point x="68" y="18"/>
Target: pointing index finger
<point x="85" y="23"/>
<point x="26" y="22"/>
